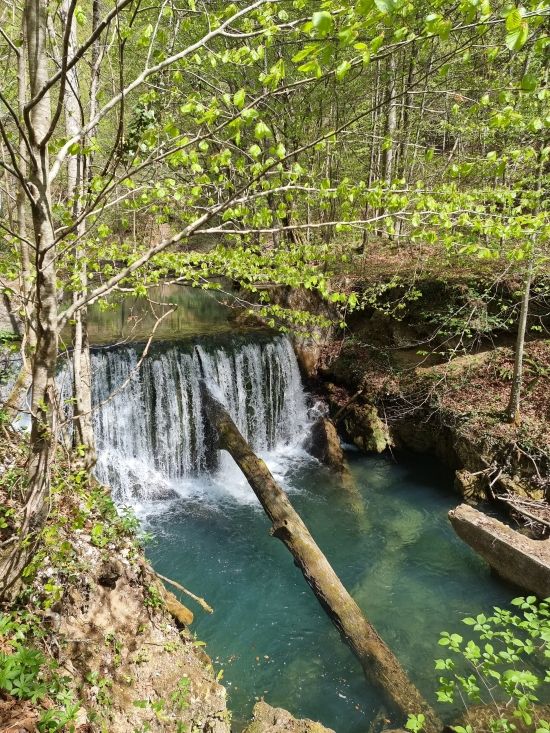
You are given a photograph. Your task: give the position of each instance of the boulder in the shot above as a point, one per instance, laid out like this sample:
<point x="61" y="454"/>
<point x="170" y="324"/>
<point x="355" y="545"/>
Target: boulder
<point x="472" y="486"/>
<point x="365" y="428"/>
<point x="277" y="720"/>
<point x="324" y="444"/>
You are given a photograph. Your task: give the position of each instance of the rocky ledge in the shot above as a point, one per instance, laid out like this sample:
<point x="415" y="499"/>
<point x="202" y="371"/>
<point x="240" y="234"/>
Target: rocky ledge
<point x="516" y="558"/>
<point x="453" y="410"/>
<point x="276" y="720"/>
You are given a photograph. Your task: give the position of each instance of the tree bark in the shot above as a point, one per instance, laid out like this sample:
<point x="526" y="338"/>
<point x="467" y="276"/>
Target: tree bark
<point x="379" y="664"/>
<point x="513" y="411"/>
<point x="44" y="359"/>
<point x="391" y="121"/>
<point x="83" y="433"/>
<point x="16" y="400"/>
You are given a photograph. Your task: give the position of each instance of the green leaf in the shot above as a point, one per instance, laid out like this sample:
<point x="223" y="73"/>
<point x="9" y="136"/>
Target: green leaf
<point x="386" y="6"/>
<point x="261" y="131"/>
<point x="239" y="98"/>
<point x="529" y="83"/>
<point x="342" y="69"/>
<point x="516" y="39"/>
<point x="514" y="19"/>
<point x="322" y="22"/>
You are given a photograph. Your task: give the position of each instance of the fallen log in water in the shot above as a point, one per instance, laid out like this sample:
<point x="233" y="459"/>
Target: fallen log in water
<point x="516" y="558"/>
<point x="380" y="665"/>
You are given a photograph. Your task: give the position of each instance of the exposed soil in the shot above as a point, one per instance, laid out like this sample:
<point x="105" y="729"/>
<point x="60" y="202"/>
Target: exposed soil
<point x="99" y="615"/>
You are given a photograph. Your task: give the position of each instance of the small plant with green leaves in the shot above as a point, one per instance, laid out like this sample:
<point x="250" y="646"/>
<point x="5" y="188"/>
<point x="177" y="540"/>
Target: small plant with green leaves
<point x="26" y="674"/>
<point x="102" y="686"/>
<point x="180" y="696"/>
<point x="501" y="666"/>
<point x="116" y="646"/>
<point x="153" y="597"/>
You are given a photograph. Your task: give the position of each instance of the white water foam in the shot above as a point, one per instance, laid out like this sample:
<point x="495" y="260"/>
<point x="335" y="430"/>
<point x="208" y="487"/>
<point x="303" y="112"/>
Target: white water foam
<point x="153" y="442"/>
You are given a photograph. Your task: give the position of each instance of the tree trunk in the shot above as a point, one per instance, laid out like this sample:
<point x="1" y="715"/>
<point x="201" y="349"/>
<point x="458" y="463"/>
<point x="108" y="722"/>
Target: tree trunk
<point x="83" y="425"/>
<point x="391" y="121"/>
<point x="380" y="665"/>
<point x="513" y="411"/>
<point x="83" y="434"/>
<point x="44" y="359"/>
<point x="16" y="400"/>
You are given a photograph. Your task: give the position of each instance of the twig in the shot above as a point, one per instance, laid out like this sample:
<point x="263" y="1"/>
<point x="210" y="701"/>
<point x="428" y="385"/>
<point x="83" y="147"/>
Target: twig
<point x="517" y="508"/>
<point x="345" y="407"/>
<point x="202" y="603"/>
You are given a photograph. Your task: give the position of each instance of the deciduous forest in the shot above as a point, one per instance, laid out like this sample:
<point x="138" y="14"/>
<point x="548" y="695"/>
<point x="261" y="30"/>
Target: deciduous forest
<point x="274" y="258"/>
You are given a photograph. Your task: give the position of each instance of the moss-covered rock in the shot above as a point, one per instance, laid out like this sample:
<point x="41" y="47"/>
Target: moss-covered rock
<point x="365" y="428"/>
<point x="324" y="444"/>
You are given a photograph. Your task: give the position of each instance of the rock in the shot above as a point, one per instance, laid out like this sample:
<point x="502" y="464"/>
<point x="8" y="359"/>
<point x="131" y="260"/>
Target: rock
<point x="470" y="485"/>
<point x="365" y="428"/>
<point x="516" y="558"/>
<point x="324" y="444"/>
<point x="308" y="353"/>
<point x="110" y="573"/>
<point x="180" y="613"/>
<point x="277" y="720"/>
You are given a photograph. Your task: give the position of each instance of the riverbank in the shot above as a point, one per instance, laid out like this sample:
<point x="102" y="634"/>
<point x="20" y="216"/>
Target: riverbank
<point x="92" y="615"/>
<point x="453" y="410"/>
<point x="93" y="641"/>
<point x="427" y="367"/>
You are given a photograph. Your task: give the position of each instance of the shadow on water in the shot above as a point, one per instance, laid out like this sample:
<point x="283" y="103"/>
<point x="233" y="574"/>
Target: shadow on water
<point x="398" y="556"/>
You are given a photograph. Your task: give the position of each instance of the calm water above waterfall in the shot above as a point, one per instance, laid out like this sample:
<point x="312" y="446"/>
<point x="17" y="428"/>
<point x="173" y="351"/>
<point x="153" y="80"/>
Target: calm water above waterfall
<point x="387" y="534"/>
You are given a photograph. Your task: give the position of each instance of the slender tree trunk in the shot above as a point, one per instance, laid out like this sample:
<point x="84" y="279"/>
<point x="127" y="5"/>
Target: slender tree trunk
<point x="16" y="400"/>
<point x="44" y="359"/>
<point x="83" y="433"/>
<point x="379" y="663"/>
<point x="374" y="156"/>
<point x="513" y="411"/>
<point x="391" y="121"/>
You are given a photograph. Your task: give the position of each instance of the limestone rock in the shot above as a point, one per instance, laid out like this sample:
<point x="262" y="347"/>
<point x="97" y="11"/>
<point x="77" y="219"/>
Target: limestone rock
<point x="470" y="485"/>
<point x="324" y="444"/>
<point x="365" y="428"/>
<point x="111" y="629"/>
<point x="277" y="720"/>
<point x="516" y="558"/>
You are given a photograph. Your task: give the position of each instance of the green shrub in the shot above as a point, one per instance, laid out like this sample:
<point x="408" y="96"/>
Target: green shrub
<point x="26" y="674"/>
<point x="501" y="666"/>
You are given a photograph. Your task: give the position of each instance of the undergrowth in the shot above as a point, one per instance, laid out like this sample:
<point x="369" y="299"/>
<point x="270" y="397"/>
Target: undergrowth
<point x="29" y="672"/>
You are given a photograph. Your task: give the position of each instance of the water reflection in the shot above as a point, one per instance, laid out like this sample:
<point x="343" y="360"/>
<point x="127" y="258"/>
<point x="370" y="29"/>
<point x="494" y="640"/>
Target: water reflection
<point x="128" y="318"/>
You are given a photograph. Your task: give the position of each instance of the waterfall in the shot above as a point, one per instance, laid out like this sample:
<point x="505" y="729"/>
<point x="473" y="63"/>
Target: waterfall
<point x="151" y="435"/>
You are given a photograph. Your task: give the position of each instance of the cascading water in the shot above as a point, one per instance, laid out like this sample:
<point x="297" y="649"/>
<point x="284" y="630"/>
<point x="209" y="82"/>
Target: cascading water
<point x="386" y="533"/>
<point x="151" y="435"/>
